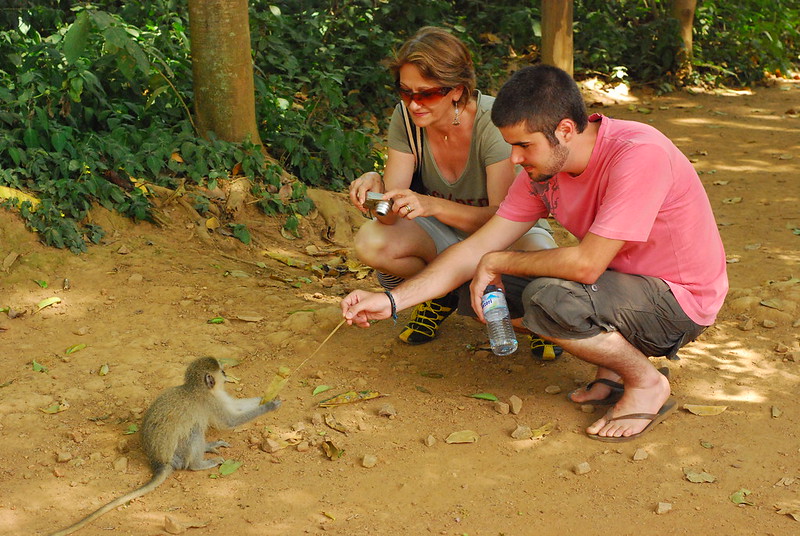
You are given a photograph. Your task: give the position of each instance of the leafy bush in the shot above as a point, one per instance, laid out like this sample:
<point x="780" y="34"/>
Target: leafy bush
<point x="737" y="42"/>
<point x="95" y="95"/>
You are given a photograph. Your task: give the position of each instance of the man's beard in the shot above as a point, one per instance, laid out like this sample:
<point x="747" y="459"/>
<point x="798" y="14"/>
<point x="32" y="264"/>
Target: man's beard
<point x="557" y="159"/>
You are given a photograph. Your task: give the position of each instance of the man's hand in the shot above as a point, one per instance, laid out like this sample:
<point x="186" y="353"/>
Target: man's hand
<point x="485" y="275"/>
<point x="360" y="306"/>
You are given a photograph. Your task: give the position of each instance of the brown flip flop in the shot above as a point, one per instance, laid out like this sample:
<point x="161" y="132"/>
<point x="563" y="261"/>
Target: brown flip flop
<point x="617" y="390"/>
<point x="613" y="397"/>
<point x="669" y="406"/>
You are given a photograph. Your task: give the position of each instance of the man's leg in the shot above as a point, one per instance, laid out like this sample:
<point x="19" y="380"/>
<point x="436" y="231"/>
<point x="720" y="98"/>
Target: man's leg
<point x="615" y="324"/>
<point x="646" y="389"/>
<point x="539" y="238"/>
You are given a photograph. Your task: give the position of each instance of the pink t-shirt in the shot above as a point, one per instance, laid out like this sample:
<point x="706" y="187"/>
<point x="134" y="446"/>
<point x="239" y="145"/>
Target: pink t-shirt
<point x="640" y="188"/>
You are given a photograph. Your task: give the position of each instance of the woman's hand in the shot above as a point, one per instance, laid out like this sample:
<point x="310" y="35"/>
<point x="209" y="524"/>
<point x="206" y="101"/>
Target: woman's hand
<point x="368" y="182"/>
<point x="408" y="204"/>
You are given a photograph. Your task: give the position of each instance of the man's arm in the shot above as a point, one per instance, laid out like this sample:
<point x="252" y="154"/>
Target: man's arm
<point x="449" y="270"/>
<point x="583" y="263"/>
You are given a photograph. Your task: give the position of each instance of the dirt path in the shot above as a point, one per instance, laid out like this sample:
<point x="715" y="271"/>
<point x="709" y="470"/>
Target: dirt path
<point x="144" y="314"/>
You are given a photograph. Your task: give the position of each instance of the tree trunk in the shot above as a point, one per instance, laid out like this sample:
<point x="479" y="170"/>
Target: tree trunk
<point x="683" y="10"/>
<point x="222" y="69"/>
<point x="557" y="33"/>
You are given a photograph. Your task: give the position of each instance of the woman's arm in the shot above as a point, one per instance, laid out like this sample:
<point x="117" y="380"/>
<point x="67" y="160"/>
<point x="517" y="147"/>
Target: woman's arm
<point x="398" y="172"/>
<point x="469" y="219"/>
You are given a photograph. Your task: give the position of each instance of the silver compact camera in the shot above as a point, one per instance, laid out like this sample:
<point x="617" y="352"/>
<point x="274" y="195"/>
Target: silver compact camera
<point x="376" y="202"/>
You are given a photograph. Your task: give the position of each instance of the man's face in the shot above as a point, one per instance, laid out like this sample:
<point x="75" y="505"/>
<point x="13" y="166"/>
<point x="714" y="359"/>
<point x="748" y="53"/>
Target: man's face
<point x="534" y="153"/>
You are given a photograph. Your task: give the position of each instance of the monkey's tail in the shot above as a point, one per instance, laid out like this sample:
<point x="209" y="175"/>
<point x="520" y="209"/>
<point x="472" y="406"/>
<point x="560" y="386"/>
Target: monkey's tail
<point x="158" y="478"/>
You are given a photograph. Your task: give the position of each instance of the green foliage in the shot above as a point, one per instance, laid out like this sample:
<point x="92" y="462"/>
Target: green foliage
<point x="737" y="42"/>
<point x="97" y="100"/>
<point x="98" y="92"/>
<point x="626" y="39"/>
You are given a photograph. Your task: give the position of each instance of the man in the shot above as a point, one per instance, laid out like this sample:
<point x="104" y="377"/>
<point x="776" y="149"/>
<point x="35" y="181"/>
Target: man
<point x="647" y="277"/>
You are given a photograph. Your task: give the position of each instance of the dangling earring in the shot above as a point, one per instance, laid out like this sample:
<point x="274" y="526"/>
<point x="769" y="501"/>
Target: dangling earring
<point x="456" y="120"/>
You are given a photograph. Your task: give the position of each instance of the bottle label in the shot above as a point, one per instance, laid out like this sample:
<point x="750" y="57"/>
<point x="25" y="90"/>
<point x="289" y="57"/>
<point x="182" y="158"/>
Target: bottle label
<point x="493" y="300"/>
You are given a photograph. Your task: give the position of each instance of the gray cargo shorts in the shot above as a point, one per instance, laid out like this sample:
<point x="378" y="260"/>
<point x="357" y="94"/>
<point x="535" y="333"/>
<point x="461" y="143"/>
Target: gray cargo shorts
<point x="641" y="308"/>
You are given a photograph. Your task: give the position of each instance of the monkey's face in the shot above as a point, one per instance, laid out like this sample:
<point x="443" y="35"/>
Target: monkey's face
<point x="215" y="379"/>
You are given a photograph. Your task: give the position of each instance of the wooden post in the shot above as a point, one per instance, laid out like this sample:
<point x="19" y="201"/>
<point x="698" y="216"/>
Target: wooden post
<point x="683" y="10"/>
<point x="222" y="69"/>
<point x="557" y="33"/>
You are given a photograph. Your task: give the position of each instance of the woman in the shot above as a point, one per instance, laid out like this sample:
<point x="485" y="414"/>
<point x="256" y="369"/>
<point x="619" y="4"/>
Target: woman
<point x="465" y="171"/>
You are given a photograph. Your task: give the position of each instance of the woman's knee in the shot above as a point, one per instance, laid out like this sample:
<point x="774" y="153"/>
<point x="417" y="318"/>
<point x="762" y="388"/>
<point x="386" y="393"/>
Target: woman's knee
<point x="370" y="243"/>
<point x="536" y="239"/>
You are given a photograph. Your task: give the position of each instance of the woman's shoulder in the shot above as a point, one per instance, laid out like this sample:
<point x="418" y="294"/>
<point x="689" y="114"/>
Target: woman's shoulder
<point x="483" y="102"/>
<point x="483" y="114"/>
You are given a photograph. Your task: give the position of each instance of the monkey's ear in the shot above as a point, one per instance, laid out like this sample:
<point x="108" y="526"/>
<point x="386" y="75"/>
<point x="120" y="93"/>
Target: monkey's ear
<point x="210" y="381"/>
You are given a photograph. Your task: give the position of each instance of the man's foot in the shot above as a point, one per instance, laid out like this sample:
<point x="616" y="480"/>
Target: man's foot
<point x="639" y="409"/>
<point x="590" y="394"/>
<point x="426" y="317"/>
<point x="651" y="419"/>
<point x="603" y="391"/>
<point x="543" y="350"/>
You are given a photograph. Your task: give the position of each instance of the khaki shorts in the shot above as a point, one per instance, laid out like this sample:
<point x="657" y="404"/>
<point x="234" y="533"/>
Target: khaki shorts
<point x="642" y="309"/>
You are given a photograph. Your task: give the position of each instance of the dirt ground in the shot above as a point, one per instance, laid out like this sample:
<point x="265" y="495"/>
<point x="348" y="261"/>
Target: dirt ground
<point x="141" y="302"/>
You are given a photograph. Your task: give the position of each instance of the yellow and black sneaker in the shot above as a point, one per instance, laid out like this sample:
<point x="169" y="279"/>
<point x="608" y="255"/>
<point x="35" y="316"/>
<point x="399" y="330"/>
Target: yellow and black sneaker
<point x="543" y="350"/>
<point x="426" y="317"/>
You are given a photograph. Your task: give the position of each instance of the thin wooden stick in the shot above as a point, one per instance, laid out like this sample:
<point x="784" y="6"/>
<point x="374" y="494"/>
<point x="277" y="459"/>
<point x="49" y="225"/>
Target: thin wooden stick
<point x="320" y="345"/>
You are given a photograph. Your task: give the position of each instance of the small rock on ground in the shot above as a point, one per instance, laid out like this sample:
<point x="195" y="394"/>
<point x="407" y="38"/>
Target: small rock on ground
<point x="522" y="432"/>
<point x="501" y="407"/>
<point x="582" y="468"/>
<point x="663" y="508"/>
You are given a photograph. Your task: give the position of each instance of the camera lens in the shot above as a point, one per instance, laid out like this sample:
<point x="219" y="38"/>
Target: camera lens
<point x="382" y="208"/>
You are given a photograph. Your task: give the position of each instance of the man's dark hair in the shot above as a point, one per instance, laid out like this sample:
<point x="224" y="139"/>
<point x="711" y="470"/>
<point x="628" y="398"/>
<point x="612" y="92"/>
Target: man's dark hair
<point x="540" y="96"/>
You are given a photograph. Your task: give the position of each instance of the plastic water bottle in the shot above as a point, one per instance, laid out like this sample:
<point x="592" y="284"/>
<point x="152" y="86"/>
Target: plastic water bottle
<point x="498" y="321"/>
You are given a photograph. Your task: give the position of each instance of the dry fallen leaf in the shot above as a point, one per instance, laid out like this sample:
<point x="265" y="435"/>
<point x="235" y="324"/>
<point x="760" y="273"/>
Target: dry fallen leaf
<point x="739" y="497"/>
<point x="278" y="382"/>
<point x="348" y="397"/>
<point x="331" y="421"/>
<point x="704" y="411"/>
<point x="47" y="303"/>
<point x="249" y="318"/>
<point x="174" y="525"/>
<point x="791" y="509"/>
<point x="332" y="451"/>
<point x="698" y="477"/>
<point x="542" y="431"/>
<point x="463" y="436"/>
<point x="56" y="407"/>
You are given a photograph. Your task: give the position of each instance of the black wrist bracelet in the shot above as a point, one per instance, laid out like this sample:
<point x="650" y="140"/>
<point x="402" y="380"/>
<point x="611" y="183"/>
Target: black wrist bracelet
<point x="394" y="305"/>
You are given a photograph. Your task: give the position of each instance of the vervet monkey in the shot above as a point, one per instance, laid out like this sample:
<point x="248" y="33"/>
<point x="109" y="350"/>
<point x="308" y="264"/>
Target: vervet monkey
<point x="174" y="428"/>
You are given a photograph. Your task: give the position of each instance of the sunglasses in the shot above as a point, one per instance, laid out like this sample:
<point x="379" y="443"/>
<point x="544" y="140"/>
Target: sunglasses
<point x="426" y="97"/>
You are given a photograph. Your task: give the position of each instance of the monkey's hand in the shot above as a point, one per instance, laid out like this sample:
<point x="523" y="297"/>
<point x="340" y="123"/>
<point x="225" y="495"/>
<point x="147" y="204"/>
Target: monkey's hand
<point x="271" y="405"/>
<point x="212" y="447"/>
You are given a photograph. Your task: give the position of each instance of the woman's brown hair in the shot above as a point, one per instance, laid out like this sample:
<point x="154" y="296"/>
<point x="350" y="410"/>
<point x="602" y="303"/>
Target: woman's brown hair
<point x="440" y="56"/>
